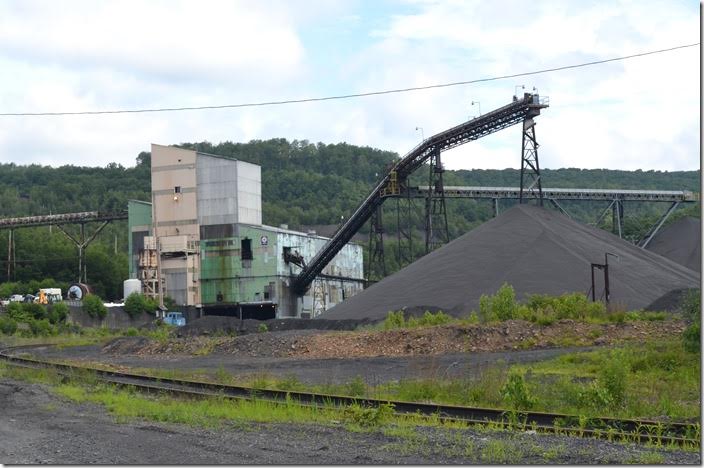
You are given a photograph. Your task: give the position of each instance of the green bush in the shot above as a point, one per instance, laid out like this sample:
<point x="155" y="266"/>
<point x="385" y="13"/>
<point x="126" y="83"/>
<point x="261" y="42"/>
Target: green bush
<point x="16" y="312"/>
<point x="356" y="387"/>
<point x="368" y="416"/>
<point x="40" y="327"/>
<point x="515" y="393"/>
<point x="691" y="305"/>
<point x="262" y="328"/>
<point x="58" y="313"/>
<point x="34" y="310"/>
<point x="394" y="320"/>
<point x="501" y="306"/>
<point x="7" y="326"/>
<point x="93" y="306"/>
<point x="691" y="339"/>
<point x="136" y="304"/>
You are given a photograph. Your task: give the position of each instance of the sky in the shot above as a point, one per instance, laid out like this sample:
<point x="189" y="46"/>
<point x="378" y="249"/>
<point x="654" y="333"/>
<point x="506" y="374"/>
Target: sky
<point x="91" y="55"/>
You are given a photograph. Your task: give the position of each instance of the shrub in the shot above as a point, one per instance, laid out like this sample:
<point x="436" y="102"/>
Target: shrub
<point x="356" y="387"/>
<point x="691" y="339"/>
<point x="40" y="327"/>
<point x="500" y="306"/>
<point x="16" y="312"/>
<point x="515" y="393"/>
<point x="136" y="304"/>
<point x="394" y="320"/>
<point x="366" y="416"/>
<point x="93" y="306"/>
<point x="58" y="313"/>
<point x="131" y="331"/>
<point x="7" y="326"/>
<point x="691" y="305"/>
<point x="34" y="310"/>
<point x="262" y="328"/>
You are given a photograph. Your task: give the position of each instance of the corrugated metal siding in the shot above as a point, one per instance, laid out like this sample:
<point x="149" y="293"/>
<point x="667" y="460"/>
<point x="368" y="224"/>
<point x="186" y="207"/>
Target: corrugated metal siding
<point x="139" y="216"/>
<point x="217" y="190"/>
<point x="249" y="193"/>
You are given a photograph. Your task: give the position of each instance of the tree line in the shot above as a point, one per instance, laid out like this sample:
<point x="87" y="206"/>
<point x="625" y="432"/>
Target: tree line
<point x="303" y="184"/>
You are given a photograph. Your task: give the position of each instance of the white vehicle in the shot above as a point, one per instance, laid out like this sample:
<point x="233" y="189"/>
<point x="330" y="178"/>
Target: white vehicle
<point x="48" y="296"/>
<point x="17" y="298"/>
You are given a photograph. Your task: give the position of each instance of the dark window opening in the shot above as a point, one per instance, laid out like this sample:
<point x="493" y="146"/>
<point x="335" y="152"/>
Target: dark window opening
<point x="177" y="189"/>
<point x="247" y="249"/>
<point x="266" y="296"/>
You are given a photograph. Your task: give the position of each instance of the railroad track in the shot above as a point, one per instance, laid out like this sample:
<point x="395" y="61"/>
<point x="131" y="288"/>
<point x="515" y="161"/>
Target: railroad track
<point x="633" y="430"/>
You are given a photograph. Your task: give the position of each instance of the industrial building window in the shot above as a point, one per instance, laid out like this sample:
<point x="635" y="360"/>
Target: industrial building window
<point x="246" y="246"/>
<point x="177" y="189"/>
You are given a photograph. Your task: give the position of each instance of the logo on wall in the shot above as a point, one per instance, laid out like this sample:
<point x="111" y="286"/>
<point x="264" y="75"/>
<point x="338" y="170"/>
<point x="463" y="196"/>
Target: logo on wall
<point x="265" y="240"/>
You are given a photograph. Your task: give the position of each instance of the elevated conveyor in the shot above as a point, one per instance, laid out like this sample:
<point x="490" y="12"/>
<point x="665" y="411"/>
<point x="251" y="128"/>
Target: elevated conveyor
<point x="395" y="180"/>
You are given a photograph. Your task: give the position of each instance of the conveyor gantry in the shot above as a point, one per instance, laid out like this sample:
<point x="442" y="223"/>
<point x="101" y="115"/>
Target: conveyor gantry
<point x="395" y="179"/>
<point x="561" y="193"/>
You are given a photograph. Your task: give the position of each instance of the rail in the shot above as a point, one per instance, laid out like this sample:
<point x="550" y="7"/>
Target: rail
<point x="631" y="430"/>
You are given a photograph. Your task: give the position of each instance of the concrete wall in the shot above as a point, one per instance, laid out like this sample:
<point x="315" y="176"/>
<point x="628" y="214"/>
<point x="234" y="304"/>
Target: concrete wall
<point x="118" y="318"/>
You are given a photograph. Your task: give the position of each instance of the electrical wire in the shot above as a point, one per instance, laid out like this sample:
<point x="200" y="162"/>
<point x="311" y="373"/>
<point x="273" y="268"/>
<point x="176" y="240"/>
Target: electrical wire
<point x="348" y="96"/>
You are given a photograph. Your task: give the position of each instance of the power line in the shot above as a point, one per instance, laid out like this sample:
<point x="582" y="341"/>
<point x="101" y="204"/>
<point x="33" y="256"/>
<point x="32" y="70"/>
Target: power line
<point x="350" y="96"/>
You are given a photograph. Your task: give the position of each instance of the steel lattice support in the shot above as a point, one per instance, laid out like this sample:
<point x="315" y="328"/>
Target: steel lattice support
<point x="404" y="230"/>
<point x="530" y="168"/>
<point x="377" y="263"/>
<point x="82" y="244"/>
<point x="436" y="228"/>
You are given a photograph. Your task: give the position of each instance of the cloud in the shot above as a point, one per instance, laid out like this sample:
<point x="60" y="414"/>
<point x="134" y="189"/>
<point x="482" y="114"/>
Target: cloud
<point x="86" y="55"/>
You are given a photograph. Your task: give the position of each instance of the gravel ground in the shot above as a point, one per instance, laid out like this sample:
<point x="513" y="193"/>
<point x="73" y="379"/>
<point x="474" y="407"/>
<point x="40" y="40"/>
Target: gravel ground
<point x="374" y="370"/>
<point x="37" y="427"/>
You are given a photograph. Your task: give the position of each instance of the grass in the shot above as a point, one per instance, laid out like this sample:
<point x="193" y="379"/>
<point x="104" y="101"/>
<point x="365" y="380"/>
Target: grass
<point x="659" y="380"/>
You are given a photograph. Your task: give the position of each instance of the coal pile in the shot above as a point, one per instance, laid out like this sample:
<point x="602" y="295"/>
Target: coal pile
<point x="535" y="250"/>
<point x="681" y="242"/>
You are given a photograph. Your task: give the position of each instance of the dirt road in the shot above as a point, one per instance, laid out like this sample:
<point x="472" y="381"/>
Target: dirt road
<point x="37" y="427"/>
<point x="374" y="370"/>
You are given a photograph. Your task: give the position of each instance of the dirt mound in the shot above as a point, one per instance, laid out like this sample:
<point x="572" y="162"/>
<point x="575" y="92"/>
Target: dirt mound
<point x="509" y="335"/>
<point x="126" y="345"/>
<point x="681" y="242"/>
<point x="535" y="250"/>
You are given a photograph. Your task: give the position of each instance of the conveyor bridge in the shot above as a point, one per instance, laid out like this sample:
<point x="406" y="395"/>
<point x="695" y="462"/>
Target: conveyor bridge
<point x="394" y="182"/>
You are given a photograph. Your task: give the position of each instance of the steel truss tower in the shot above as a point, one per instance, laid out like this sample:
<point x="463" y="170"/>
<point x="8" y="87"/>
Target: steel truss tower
<point x="377" y="262"/>
<point x="436" y="230"/>
<point x="530" y="169"/>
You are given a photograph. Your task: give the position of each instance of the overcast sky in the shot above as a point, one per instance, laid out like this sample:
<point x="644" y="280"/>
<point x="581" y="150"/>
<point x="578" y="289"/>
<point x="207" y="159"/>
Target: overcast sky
<point x="106" y="55"/>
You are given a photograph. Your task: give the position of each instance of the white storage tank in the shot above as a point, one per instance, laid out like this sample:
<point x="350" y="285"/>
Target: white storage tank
<point x="130" y="286"/>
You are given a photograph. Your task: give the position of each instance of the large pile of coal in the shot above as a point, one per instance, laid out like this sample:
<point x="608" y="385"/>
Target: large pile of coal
<point x="535" y="250"/>
<point x="681" y="242"/>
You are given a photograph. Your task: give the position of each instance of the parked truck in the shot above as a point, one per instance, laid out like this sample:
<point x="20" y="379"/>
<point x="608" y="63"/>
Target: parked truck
<point x="48" y="296"/>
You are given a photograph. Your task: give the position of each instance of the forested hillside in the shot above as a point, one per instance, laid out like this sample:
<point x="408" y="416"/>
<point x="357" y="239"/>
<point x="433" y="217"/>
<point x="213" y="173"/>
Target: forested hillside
<point x="302" y="184"/>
